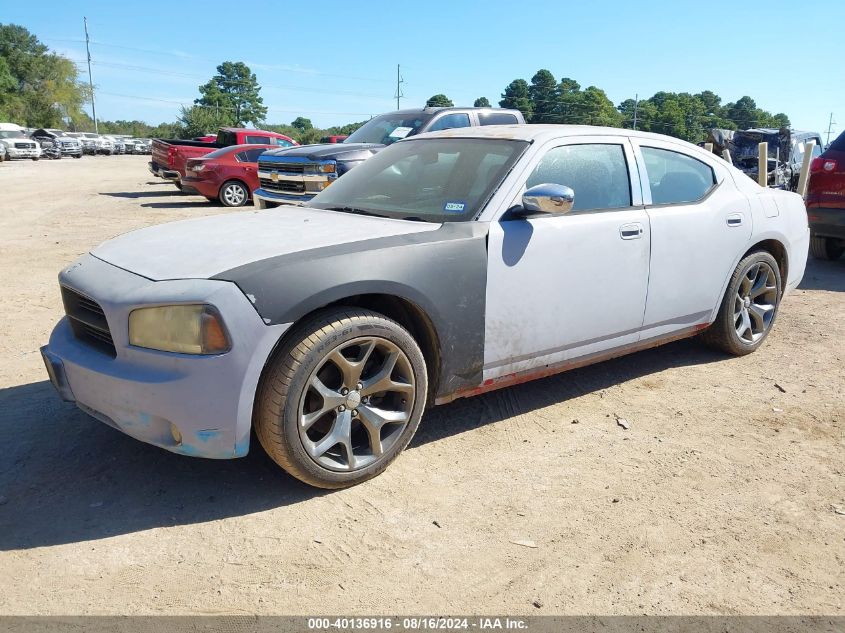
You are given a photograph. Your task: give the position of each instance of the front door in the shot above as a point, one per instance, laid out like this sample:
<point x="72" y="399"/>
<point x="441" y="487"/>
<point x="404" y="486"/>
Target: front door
<point x="564" y="287"/>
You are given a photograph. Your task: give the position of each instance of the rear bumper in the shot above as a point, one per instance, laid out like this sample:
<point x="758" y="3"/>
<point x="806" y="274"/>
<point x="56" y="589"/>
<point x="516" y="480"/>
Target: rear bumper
<point x="827" y="222"/>
<point x="199" y="186"/>
<point x="161" y="172"/>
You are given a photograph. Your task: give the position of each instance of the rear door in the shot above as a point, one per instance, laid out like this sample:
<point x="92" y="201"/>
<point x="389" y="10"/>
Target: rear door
<point x="699" y="223"/>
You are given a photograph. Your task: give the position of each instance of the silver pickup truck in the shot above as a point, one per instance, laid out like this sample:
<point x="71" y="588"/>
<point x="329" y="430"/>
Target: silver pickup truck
<point x="297" y="174"/>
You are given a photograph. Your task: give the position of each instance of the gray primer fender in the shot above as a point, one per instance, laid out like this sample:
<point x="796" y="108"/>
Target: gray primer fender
<point x="443" y="272"/>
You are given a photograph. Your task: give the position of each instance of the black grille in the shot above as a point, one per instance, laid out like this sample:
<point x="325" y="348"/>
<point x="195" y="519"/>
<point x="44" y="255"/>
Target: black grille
<point x="282" y="168"/>
<point x="287" y="186"/>
<point x="88" y="321"/>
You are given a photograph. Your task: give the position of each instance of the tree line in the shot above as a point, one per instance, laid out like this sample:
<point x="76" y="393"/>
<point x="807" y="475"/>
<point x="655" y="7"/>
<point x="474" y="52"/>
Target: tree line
<point x="681" y="114"/>
<point x="39" y="88"/>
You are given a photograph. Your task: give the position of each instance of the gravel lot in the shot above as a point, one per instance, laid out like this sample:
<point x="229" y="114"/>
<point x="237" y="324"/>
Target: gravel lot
<point x="725" y="496"/>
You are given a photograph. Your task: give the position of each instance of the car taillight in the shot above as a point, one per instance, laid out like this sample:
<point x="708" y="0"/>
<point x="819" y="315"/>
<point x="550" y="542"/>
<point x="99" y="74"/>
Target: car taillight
<point x="822" y="165"/>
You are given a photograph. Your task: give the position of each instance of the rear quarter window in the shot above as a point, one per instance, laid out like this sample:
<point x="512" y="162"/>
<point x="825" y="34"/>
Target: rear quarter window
<point x="496" y="118"/>
<point x="676" y="178"/>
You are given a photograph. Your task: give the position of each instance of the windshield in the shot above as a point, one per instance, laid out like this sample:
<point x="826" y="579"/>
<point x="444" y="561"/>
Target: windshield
<point x="7" y="134"/>
<point x="434" y="180"/>
<point x="389" y="128"/>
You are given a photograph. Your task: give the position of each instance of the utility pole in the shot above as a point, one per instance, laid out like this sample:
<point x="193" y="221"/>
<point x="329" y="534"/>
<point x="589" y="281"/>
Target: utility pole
<point x="829" y="128"/>
<point x="636" y="107"/>
<point x="90" y="80"/>
<point x="399" y="82"/>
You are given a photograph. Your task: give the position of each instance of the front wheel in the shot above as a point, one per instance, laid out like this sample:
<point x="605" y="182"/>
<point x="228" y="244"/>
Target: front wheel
<point x="749" y="306"/>
<point x="826" y="248"/>
<point x="342" y="398"/>
<point x="77" y="155"/>
<point x="38" y="158"/>
<point x="234" y="194"/>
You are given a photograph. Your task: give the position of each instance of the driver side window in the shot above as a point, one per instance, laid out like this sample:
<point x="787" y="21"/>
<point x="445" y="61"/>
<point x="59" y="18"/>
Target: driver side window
<point x="597" y="173"/>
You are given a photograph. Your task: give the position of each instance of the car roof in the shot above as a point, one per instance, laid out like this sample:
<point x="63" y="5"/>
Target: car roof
<point x="542" y="132"/>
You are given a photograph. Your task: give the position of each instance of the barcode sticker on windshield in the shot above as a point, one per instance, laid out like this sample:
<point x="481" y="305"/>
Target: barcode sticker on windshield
<point x="454" y="207"/>
<point x="400" y="132"/>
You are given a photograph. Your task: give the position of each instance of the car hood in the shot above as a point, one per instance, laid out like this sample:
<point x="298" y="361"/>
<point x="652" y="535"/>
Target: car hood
<point x="327" y="151"/>
<point x="203" y="247"/>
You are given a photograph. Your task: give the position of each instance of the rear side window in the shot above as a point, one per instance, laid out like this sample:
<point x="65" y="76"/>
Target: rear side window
<point x="449" y="121"/>
<point x="282" y="142"/>
<point x="258" y="140"/>
<point x="597" y="173"/>
<point x="496" y="118"/>
<point x="676" y="178"/>
<point x="251" y="155"/>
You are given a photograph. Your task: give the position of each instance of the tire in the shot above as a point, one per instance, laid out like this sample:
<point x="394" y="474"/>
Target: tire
<point x="233" y="193"/>
<point x="825" y="248"/>
<point x="741" y="308"/>
<point x="77" y="155"/>
<point x="287" y="396"/>
<point x="38" y="158"/>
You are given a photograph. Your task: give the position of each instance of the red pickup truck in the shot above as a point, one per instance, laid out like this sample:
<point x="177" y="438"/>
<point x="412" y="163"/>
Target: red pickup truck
<point x="170" y="156"/>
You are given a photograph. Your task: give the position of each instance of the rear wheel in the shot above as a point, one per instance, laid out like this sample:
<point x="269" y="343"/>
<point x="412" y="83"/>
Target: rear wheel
<point x="749" y="306"/>
<point x="342" y="398"/>
<point x="234" y="194"/>
<point x="826" y="248"/>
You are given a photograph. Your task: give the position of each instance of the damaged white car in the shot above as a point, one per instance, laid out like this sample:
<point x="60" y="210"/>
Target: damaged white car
<point x="447" y="265"/>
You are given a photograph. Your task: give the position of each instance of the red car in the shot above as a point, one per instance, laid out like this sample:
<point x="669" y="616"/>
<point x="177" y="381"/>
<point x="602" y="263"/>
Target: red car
<point x="826" y="202"/>
<point x="229" y="175"/>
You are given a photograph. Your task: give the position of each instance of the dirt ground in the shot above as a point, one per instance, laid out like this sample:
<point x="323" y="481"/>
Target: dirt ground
<point x="726" y="495"/>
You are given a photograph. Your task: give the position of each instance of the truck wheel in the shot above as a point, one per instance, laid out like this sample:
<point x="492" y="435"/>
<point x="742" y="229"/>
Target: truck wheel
<point x="749" y="306"/>
<point x="234" y="194"/>
<point x="341" y="398"/>
<point x="77" y="155"/>
<point x="37" y="158"/>
<point x="825" y="248"/>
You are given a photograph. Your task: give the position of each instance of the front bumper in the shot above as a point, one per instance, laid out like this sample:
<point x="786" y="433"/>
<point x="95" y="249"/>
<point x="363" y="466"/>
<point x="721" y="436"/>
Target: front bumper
<point x="827" y="222"/>
<point x="14" y="152"/>
<point x="262" y="197"/>
<point x="71" y="151"/>
<point x="187" y="404"/>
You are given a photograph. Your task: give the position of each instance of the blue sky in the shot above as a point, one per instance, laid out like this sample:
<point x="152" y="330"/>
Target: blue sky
<point x="335" y="61"/>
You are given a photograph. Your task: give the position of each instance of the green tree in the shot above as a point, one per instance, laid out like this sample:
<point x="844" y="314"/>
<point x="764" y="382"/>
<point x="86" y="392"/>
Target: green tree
<point x="516" y="97"/>
<point x="233" y="93"/>
<point x="302" y="124"/>
<point x="743" y="113"/>
<point x="481" y="102"/>
<point x="597" y="109"/>
<point x="201" y="120"/>
<point x="439" y="101"/>
<point x="38" y="88"/>
<point x="543" y="93"/>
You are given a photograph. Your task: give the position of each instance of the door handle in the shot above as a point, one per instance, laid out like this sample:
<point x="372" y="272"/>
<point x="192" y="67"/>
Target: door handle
<point x="734" y="219"/>
<point x="632" y="231"/>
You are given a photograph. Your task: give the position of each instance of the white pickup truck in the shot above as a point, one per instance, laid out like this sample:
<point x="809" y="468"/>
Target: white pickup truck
<point x="447" y="265"/>
<point x="14" y="143"/>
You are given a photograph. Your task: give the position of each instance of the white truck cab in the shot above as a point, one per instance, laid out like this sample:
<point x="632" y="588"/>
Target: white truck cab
<point x="14" y="143"/>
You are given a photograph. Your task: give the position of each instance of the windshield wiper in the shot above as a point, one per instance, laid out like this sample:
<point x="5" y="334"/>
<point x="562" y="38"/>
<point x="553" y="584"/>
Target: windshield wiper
<point x="355" y="210"/>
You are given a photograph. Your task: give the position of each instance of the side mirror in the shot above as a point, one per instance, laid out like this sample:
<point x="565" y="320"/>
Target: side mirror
<point x="548" y="198"/>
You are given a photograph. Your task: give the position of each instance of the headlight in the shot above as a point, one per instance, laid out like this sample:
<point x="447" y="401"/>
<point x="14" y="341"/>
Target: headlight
<point x="188" y="329"/>
<point x="326" y="168"/>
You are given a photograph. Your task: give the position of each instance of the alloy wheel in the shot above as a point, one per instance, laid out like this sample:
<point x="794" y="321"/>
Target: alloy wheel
<point x="356" y="404"/>
<point x="755" y="302"/>
<point x="234" y="195"/>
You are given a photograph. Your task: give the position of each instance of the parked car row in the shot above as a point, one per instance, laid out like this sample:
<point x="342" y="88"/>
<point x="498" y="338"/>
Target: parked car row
<point x="19" y="142"/>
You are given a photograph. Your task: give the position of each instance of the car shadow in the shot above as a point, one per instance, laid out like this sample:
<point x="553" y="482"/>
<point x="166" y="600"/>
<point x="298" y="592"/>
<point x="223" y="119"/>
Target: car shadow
<point x="65" y="477"/>
<point x="180" y="205"/>
<point x="824" y="275"/>
<point x="142" y="194"/>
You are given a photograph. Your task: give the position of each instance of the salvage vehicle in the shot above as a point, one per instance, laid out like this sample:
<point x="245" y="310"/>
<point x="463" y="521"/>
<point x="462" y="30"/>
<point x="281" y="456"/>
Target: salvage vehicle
<point x="169" y="156"/>
<point x="826" y="202"/>
<point x="229" y="175"/>
<point x="55" y="141"/>
<point x="14" y="143"/>
<point x="785" y="153"/>
<point x="298" y="174"/>
<point x="447" y="265"/>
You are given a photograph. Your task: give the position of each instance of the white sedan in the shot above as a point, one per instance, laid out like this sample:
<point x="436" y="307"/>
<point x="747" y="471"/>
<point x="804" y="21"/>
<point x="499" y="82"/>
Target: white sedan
<point x="447" y="265"/>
